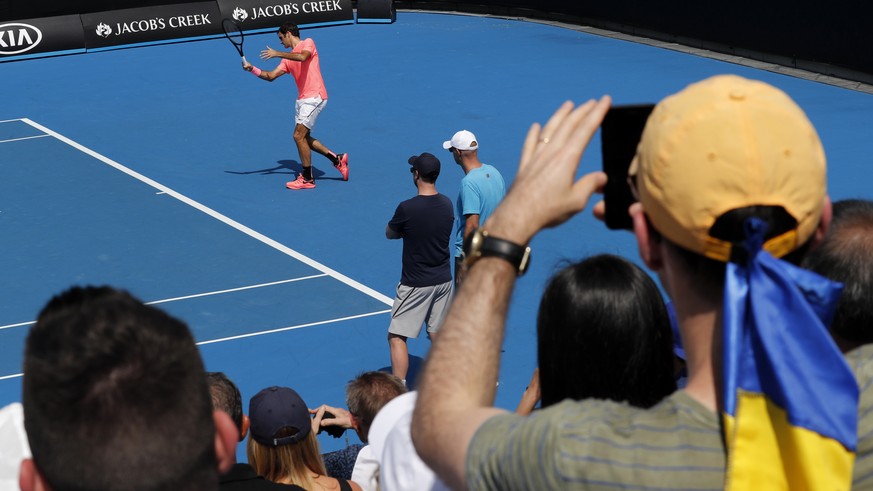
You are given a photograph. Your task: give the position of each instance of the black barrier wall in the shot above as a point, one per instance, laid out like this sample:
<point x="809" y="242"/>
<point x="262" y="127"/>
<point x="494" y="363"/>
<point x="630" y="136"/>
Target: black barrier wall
<point x="150" y="24"/>
<point x="36" y="37"/>
<point x="263" y="14"/>
<point x="833" y="38"/>
<point x="109" y="29"/>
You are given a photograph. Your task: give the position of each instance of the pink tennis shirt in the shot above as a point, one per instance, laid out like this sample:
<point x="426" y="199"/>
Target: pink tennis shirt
<point x="307" y="74"/>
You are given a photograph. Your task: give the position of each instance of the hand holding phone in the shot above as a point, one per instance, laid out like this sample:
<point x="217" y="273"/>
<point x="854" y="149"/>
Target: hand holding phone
<point x="620" y="134"/>
<point x="332" y="430"/>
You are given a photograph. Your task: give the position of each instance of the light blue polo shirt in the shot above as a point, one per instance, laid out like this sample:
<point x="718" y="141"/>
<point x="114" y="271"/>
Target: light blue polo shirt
<point x="481" y="192"/>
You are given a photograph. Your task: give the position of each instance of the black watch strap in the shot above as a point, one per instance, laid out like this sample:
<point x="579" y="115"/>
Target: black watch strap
<point x="481" y="244"/>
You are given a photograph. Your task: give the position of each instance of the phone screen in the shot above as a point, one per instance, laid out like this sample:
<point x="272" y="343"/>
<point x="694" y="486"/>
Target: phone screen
<point x="619" y="136"/>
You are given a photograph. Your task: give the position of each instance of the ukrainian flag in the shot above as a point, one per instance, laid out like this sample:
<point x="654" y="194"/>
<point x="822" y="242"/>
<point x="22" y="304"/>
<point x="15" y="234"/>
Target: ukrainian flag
<point x="790" y="398"/>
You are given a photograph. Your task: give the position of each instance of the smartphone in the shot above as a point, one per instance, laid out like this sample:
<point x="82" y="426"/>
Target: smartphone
<point x="334" y="431"/>
<point x="620" y="134"/>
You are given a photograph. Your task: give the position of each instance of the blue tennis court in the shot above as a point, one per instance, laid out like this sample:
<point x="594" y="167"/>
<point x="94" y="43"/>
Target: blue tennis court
<point x="161" y="170"/>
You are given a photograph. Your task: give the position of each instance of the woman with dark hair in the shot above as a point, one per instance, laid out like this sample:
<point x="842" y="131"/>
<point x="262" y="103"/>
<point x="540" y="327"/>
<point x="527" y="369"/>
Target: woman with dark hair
<point x="603" y="332"/>
<point x="282" y="445"/>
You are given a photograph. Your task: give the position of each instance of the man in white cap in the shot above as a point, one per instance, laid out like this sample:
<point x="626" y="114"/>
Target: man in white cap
<point x="482" y="188"/>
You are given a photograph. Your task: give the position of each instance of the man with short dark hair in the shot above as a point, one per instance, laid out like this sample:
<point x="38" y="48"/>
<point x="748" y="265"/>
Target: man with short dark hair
<point x="730" y="175"/>
<point x="115" y="397"/>
<point x="226" y="397"/>
<point x="846" y="255"/>
<point x="424" y="222"/>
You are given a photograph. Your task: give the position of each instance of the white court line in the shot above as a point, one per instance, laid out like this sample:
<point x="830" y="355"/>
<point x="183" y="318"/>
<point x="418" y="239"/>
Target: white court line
<point x="252" y="334"/>
<point x="10" y="120"/>
<point x="10" y="326"/>
<point x="23" y="138"/>
<point x="238" y="289"/>
<point x="289" y="328"/>
<point x="198" y="295"/>
<point x="218" y="216"/>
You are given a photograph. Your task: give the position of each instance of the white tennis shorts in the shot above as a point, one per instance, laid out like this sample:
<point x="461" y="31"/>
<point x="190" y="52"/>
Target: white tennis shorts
<point x="308" y="110"/>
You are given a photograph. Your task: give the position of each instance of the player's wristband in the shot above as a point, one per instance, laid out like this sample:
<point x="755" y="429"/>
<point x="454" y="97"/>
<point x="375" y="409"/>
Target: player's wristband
<point x="256" y="71"/>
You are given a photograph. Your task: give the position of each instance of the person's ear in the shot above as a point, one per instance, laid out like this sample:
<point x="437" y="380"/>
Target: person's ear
<point x="827" y="215"/>
<point x="647" y="240"/>
<point x="29" y="478"/>
<point x="356" y="424"/>
<point x="226" y="434"/>
<point x="245" y="428"/>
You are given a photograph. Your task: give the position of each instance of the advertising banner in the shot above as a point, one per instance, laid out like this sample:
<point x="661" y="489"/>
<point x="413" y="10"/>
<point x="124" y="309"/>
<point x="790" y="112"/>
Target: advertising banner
<point x="41" y="37"/>
<point x="151" y="24"/>
<point x="270" y="14"/>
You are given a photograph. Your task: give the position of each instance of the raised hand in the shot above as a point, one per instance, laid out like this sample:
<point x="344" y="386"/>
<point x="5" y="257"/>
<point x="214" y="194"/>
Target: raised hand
<point x="269" y="53"/>
<point x="545" y="192"/>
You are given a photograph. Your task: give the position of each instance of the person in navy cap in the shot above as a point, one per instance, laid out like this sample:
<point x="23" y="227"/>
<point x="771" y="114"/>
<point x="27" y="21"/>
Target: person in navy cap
<point x="424" y="222"/>
<point x="282" y="445"/>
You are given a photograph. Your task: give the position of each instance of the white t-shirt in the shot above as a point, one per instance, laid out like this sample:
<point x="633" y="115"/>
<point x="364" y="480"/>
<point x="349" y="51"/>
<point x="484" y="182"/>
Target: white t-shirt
<point x="366" y="470"/>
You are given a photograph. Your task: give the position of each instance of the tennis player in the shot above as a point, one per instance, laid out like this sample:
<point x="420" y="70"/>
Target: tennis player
<point x="302" y="62"/>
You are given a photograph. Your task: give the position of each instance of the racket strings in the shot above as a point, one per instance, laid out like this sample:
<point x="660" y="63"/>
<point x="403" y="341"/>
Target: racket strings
<point x="232" y="31"/>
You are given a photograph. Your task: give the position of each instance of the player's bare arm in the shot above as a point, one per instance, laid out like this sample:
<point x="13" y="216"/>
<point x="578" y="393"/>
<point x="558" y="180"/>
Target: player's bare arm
<point x="265" y="75"/>
<point x="274" y="53"/>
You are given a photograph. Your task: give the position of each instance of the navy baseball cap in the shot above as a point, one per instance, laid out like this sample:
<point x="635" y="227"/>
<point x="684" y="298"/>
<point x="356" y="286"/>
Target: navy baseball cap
<point x="425" y="163"/>
<point x="275" y="408"/>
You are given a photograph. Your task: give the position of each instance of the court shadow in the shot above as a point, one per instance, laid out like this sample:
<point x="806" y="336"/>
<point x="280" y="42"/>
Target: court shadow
<point x="282" y="167"/>
<point x="291" y="167"/>
<point x="415" y="364"/>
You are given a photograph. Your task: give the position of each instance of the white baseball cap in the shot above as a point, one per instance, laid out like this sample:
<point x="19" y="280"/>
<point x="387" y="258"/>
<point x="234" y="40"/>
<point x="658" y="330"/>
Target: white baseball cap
<point x="462" y="140"/>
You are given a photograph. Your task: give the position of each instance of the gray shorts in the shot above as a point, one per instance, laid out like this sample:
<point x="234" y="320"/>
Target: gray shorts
<point x="416" y="305"/>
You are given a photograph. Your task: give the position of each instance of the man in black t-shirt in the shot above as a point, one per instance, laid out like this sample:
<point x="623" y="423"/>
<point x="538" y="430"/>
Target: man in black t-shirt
<point x="425" y="290"/>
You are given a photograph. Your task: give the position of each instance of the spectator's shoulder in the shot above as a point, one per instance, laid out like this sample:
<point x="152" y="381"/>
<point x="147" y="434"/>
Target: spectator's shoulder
<point x="584" y="442"/>
<point x="860" y="360"/>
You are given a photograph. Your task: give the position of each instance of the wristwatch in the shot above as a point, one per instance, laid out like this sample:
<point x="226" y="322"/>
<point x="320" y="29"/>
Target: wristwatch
<point x="479" y="244"/>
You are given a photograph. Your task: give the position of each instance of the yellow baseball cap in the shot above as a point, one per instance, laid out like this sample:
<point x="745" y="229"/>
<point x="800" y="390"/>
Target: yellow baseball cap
<point x="726" y="143"/>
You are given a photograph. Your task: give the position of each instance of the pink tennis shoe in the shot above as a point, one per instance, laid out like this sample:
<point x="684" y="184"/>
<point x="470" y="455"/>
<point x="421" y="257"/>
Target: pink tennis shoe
<point x="301" y="183"/>
<point x="342" y="165"/>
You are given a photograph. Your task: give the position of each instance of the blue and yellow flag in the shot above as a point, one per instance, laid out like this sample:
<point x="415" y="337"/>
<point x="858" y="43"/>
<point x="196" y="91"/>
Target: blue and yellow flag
<point x="791" y="400"/>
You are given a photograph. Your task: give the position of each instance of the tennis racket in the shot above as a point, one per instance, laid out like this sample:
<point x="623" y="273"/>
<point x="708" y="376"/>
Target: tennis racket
<point x="235" y="35"/>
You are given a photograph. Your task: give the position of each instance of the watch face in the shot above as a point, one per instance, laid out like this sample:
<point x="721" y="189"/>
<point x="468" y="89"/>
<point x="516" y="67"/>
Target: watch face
<point x="525" y="261"/>
<point x="473" y="246"/>
<point x="479" y="244"/>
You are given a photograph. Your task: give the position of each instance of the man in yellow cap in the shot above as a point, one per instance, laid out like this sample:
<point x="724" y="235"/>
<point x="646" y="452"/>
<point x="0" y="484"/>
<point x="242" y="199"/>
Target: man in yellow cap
<point x="730" y="176"/>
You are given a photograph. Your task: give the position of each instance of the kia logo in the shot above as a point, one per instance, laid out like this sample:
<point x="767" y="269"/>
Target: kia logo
<point x="17" y="38"/>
